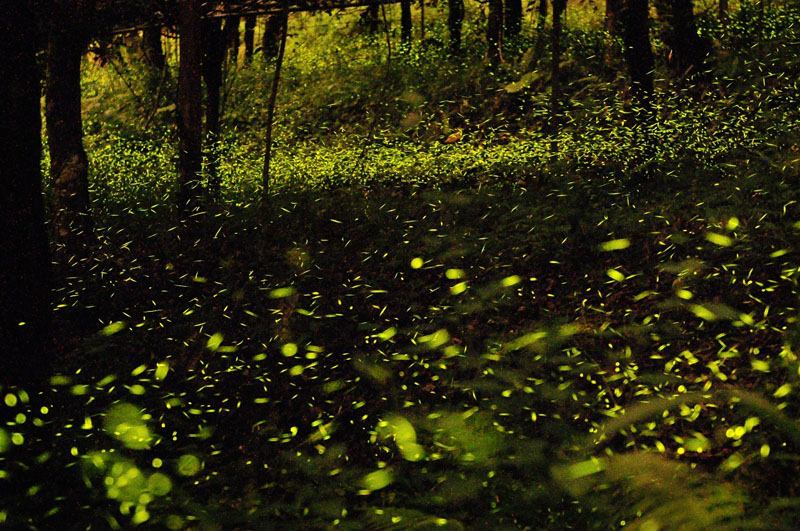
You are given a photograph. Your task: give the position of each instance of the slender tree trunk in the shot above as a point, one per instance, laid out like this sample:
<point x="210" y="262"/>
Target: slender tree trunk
<point x="455" y="20"/>
<point x="271" y="41"/>
<point x="613" y="27"/>
<point x="494" y="32"/>
<point x="24" y="261"/>
<point x="541" y="19"/>
<point x="213" y="57"/>
<point x="249" y="37"/>
<point x="151" y="47"/>
<point x="189" y="104"/>
<point x="555" y="70"/>
<point x="635" y="16"/>
<point x="422" y="22"/>
<point x="513" y="17"/>
<point x="231" y="30"/>
<point x="688" y="51"/>
<point x="69" y="166"/>
<point x="370" y="19"/>
<point x="723" y="18"/>
<point x="265" y="176"/>
<point x="405" y="22"/>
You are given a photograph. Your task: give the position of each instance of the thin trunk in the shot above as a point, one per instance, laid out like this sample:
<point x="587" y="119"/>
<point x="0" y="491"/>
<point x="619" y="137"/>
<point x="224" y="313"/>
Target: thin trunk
<point x="422" y="22"/>
<point x="24" y="262"/>
<point x="613" y="28"/>
<point x="271" y="41"/>
<point x="513" y="17"/>
<point x="540" y="34"/>
<point x="494" y="31"/>
<point x="69" y="166"/>
<point x="189" y="104"/>
<point x="151" y="47"/>
<point x="638" y="52"/>
<point x="213" y="57"/>
<point x="231" y="30"/>
<point x="455" y="20"/>
<point x="249" y="37"/>
<point x="555" y="70"/>
<point x="265" y="176"/>
<point x="405" y="22"/>
<point x="688" y="51"/>
<point x="723" y="18"/>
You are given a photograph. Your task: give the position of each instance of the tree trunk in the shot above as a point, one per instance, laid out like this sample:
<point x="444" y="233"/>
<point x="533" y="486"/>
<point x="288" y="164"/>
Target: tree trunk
<point x="538" y="50"/>
<point x="723" y="18"/>
<point x="455" y="20"/>
<point x="613" y="27"/>
<point x="635" y="16"/>
<point x="249" y="37"/>
<point x="513" y="17"/>
<point x="231" y="30"/>
<point x="273" y="96"/>
<point x="151" y="47"/>
<point x="369" y="19"/>
<point x="555" y="69"/>
<point x="688" y="51"/>
<point x="272" y="36"/>
<point x="494" y="31"/>
<point x="69" y="166"/>
<point x="24" y="261"/>
<point x="213" y="57"/>
<point x="189" y="104"/>
<point x="405" y="22"/>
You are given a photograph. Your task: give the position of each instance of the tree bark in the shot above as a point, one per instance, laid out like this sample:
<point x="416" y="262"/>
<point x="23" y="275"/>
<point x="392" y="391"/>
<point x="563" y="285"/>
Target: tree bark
<point x="688" y="51"/>
<point x="189" y="104"/>
<point x="494" y="32"/>
<point x="69" y="166"/>
<point x="635" y="16"/>
<point x="24" y="261"/>
<point x="272" y="36"/>
<point x="613" y="27"/>
<point x="555" y="70"/>
<point x="723" y="17"/>
<point x="249" y="37"/>
<point x="369" y="19"/>
<point x="513" y="17"/>
<point x="213" y="57"/>
<point x="231" y="30"/>
<point x="405" y="22"/>
<point x="273" y="96"/>
<point x="152" y="49"/>
<point x="541" y="19"/>
<point x="455" y="21"/>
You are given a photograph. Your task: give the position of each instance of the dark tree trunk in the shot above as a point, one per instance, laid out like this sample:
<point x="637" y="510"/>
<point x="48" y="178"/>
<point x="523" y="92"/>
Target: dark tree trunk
<point x="189" y="104"/>
<point x="688" y="51"/>
<point x="249" y="37"/>
<point x="635" y="17"/>
<point x="613" y="27"/>
<point x="723" y="17"/>
<point x="272" y="36"/>
<point x="273" y="96"/>
<point x="213" y="57"/>
<point x="69" y="166"/>
<point x="555" y="69"/>
<point x="24" y="261"/>
<point x="231" y="30"/>
<point x="513" y="17"/>
<point x="494" y="31"/>
<point x="152" y="49"/>
<point x="455" y="20"/>
<point x="405" y="22"/>
<point x="370" y="19"/>
<point x="541" y="19"/>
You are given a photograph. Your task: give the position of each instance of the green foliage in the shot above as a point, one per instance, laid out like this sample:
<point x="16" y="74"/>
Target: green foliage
<point x="442" y="323"/>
